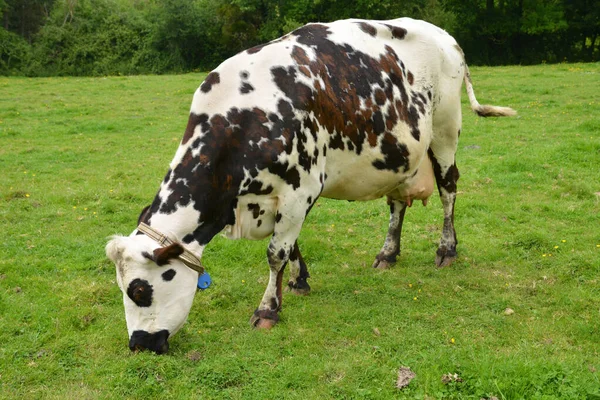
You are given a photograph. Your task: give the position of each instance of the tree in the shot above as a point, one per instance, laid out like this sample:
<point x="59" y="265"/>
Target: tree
<point x="94" y="37"/>
<point x="25" y="17"/>
<point x="583" y="18"/>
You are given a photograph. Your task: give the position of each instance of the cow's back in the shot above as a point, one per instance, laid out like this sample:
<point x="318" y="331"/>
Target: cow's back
<point x="351" y="101"/>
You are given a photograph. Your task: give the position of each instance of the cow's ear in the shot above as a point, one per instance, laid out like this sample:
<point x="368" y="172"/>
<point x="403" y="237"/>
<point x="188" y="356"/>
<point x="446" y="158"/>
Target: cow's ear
<point x="163" y="255"/>
<point x="115" y="247"/>
<point x="143" y="214"/>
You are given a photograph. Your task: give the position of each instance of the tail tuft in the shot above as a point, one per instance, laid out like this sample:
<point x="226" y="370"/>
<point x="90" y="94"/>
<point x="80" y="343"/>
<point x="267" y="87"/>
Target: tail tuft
<point x="484" y="110"/>
<point x="494" y="111"/>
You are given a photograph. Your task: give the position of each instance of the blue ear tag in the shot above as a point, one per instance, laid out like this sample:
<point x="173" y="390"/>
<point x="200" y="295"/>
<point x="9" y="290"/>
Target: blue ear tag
<point x="204" y="281"/>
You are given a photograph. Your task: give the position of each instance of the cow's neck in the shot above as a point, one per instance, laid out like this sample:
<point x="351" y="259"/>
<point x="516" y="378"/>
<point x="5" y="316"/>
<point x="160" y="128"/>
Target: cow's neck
<point x="197" y="197"/>
<point x="178" y="225"/>
<point x="202" y="217"/>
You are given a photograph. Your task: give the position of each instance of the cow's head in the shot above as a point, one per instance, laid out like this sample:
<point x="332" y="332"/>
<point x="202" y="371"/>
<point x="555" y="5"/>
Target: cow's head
<point x="158" y="289"/>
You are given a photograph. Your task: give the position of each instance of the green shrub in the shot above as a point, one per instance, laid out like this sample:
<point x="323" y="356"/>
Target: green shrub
<point x="14" y="52"/>
<point x="100" y="38"/>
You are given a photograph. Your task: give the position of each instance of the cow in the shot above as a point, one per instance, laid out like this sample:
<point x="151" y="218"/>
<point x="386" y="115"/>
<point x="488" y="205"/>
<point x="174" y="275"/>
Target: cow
<point x="351" y="110"/>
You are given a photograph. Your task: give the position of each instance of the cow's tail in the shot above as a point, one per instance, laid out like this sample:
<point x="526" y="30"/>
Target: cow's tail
<point x="484" y="110"/>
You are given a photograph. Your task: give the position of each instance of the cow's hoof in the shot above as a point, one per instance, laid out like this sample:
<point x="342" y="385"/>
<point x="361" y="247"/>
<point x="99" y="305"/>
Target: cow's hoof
<point x="300" y="287"/>
<point x="264" y="319"/>
<point x="266" y="324"/>
<point x="300" y="291"/>
<point x="445" y="257"/>
<point x="381" y="262"/>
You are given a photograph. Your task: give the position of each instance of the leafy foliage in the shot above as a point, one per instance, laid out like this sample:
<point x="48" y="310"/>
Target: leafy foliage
<point x="103" y="37"/>
<point x="14" y="52"/>
<point x="531" y="31"/>
<point x="98" y="37"/>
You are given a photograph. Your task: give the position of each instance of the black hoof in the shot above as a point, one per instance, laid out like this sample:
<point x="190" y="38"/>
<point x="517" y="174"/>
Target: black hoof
<point x="300" y="287"/>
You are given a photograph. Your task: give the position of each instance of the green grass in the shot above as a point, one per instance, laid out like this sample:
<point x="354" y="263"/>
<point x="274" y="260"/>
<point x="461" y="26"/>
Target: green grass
<point x="80" y="157"/>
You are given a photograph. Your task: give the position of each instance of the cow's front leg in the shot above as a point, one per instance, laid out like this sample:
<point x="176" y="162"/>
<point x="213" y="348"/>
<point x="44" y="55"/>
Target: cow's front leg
<point x="288" y="222"/>
<point x="391" y="246"/>
<point x="266" y="315"/>
<point x="298" y="273"/>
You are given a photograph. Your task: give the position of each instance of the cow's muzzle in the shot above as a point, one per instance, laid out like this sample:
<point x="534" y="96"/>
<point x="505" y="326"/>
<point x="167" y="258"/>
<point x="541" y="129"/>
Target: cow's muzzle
<point x="156" y="342"/>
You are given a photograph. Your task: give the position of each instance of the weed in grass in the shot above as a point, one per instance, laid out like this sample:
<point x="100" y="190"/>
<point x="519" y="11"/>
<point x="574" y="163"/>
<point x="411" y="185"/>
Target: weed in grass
<point x="80" y="157"/>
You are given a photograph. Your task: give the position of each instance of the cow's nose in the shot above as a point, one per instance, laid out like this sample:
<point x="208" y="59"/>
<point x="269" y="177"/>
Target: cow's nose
<point x="156" y="342"/>
<point x="136" y="347"/>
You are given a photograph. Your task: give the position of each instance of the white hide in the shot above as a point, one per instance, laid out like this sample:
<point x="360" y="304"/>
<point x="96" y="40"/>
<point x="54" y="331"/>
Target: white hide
<point x="246" y="225"/>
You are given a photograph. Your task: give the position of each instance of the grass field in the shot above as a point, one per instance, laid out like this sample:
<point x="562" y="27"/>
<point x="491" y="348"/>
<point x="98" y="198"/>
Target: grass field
<point x="80" y="157"/>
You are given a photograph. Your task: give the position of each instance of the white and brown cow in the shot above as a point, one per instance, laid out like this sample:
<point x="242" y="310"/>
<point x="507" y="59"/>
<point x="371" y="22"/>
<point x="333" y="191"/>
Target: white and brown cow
<point x="352" y="110"/>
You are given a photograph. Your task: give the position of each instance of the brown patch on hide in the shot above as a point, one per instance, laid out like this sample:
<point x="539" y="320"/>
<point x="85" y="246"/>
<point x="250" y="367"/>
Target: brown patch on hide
<point x="367" y="28"/>
<point x="211" y="79"/>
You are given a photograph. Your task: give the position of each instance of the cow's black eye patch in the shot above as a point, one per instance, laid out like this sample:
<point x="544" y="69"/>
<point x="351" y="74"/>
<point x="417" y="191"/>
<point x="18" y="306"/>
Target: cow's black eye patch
<point x="168" y="275"/>
<point x="140" y="292"/>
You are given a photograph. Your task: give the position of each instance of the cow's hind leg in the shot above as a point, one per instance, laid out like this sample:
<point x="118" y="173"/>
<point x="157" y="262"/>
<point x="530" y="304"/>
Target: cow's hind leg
<point x="391" y="246"/>
<point x="447" y="120"/>
<point x="446" y="176"/>
<point x="298" y="273"/>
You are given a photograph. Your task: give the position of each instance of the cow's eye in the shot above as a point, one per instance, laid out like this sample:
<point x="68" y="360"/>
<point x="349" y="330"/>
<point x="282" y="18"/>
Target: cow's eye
<point x="140" y="292"/>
